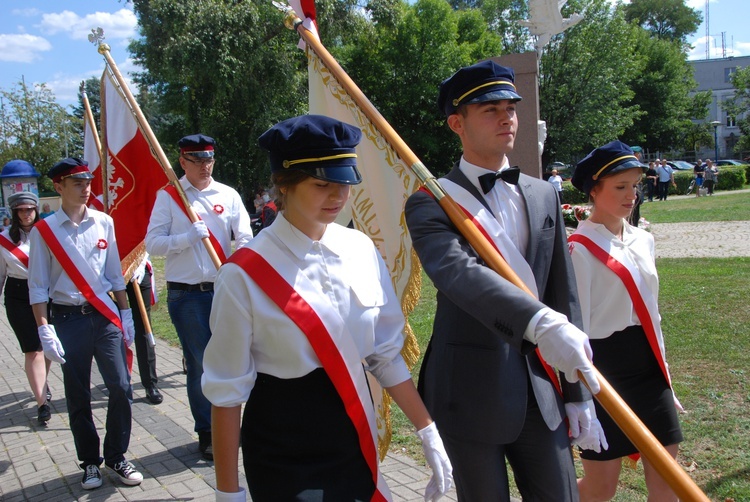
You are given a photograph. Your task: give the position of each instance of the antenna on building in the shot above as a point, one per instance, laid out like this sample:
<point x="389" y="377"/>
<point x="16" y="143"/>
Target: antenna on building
<point x="708" y="48"/>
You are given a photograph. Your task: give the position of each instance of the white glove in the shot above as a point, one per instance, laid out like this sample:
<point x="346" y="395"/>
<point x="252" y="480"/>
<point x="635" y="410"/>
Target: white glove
<point x="442" y="470"/>
<point x="231" y="496"/>
<point x="128" y="327"/>
<point x="585" y="429"/>
<point x="677" y="403"/>
<point x="197" y="232"/>
<point x="139" y="273"/>
<point x="566" y="348"/>
<point x="53" y="349"/>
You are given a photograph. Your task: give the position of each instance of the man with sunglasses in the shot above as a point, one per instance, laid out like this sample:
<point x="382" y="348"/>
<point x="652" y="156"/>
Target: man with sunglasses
<point x="188" y="268"/>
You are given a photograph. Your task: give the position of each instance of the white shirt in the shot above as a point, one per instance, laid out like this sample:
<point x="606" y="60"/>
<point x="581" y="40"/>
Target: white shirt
<point x="606" y="306"/>
<point x="506" y="203"/>
<point x="10" y="266"/>
<point x="219" y="206"/>
<point x="47" y="279"/>
<point x="252" y="335"/>
<point x="556" y="181"/>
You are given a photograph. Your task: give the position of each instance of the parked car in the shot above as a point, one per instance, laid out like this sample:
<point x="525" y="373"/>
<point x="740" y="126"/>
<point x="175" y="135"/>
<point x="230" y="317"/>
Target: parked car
<point x="680" y="165"/>
<point x="730" y="162"/>
<point x="563" y="170"/>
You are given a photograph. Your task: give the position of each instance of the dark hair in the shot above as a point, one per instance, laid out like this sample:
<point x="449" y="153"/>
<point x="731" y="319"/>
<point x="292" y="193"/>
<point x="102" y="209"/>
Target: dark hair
<point x="15" y="226"/>
<point x="285" y="179"/>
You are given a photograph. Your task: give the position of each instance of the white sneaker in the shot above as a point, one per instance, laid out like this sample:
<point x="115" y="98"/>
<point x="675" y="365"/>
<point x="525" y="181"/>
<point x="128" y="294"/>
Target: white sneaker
<point x="127" y="472"/>
<point x="92" y="477"/>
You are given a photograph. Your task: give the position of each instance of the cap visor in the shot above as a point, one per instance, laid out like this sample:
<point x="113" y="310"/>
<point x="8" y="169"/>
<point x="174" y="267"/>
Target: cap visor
<point x="344" y="175"/>
<point x="496" y="95"/>
<point x="629" y="164"/>
<point x="81" y="176"/>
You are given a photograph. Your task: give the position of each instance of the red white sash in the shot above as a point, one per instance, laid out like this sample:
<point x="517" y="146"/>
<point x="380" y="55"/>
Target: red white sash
<point x="81" y="273"/>
<point x="643" y="301"/>
<point x="172" y="191"/>
<point x="15" y="250"/>
<point x="328" y="335"/>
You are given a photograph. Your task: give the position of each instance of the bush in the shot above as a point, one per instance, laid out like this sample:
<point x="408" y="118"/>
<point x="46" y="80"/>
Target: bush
<point x="730" y="178"/>
<point x="571" y="195"/>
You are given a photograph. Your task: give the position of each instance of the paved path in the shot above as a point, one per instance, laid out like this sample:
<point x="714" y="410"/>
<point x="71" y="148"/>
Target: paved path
<point x="39" y="463"/>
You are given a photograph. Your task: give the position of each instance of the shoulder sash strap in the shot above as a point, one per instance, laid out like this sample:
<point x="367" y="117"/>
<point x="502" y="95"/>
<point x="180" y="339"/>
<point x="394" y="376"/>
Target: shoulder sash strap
<point x="338" y="354"/>
<point x="172" y="191"/>
<point x="641" y="309"/>
<point x="15" y="250"/>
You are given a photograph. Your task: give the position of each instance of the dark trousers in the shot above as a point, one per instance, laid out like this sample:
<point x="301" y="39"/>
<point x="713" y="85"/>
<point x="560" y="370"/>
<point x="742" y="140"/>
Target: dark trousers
<point x="541" y="460"/>
<point x="663" y="190"/>
<point x="145" y="353"/>
<point x="650" y="186"/>
<point x="85" y="337"/>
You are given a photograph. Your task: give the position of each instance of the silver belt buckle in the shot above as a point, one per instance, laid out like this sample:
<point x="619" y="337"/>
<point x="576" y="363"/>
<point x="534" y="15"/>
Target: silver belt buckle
<point x="206" y="286"/>
<point x="87" y="308"/>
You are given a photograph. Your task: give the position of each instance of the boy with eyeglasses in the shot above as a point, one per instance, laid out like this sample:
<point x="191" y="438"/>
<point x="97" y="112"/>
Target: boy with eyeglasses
<point x="188" y="268"/>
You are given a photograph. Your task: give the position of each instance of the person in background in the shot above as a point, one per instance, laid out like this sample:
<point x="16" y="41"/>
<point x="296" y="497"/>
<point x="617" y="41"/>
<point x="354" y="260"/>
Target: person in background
<point x="622" y="322"/>
<point x="309" y="429"/>
<point x="665" y="175"/>
<point x="712" y="177"/>
<point x="189" y="270"/>
<point x="145" y="352"/>
<point x="651" y="180"/>
<point x="14" y="274"/>
<point x="482" y="379"/>
<point x="46" y="211"/>
<point x="74" y="265"/>
<point x="557" y="182"/>
<point x="635" y="215"/>
<point x="699" y="172"/>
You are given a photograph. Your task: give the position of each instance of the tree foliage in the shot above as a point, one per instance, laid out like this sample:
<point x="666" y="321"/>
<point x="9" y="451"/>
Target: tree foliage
<point x="585" y="82"/>
<point x="739" y="106"/>
<point x="667" y="19"/>
<point x="36" y="129"/>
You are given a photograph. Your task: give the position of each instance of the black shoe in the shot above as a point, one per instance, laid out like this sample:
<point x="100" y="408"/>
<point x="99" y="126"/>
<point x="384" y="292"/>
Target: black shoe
<point x="205" y="446"/>
<point x="127" y="473"/>
<point x="92" y="477"/>
<point x="153" y="395"/>
<point x="43" y="414"/>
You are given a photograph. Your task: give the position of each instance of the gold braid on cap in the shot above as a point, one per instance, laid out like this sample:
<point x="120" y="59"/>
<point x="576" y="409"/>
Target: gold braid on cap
<point x="497" y="82"/>
<point x="596" y="176"/>
<point x="289" y="163"/>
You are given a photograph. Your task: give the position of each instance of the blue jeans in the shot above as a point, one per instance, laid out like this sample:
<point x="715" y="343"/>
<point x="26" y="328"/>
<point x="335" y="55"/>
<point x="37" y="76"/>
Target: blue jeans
<point x="190" y="311"/>
<point x="84" y="338"/>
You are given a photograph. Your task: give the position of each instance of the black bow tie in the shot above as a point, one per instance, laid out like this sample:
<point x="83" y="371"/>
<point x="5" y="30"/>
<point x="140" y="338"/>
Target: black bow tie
<point x="510" y="175"/>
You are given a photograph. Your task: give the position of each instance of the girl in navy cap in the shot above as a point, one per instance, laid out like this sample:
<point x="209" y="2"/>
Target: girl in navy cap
<point x="618" y="288"/>
<point x="14" y="273"/>
<point x="300" y="312"/>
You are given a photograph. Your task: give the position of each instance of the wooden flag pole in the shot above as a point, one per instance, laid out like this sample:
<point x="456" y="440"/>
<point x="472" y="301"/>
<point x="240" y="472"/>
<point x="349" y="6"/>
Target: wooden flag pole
<point x="631" y="425"/>
<point x="151" y="138"/>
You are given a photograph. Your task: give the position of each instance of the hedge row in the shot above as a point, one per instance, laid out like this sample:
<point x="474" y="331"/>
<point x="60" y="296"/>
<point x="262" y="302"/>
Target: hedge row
<point x="730" y="178"/>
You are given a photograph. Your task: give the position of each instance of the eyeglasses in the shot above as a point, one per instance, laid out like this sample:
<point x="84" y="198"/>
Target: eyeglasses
<point x="200" y="162"/>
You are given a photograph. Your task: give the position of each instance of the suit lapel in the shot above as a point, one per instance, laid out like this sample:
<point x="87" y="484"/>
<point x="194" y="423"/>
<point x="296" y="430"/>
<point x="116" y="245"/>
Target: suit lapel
<point x="460" y="179"/>
<point x="528" y="195"/>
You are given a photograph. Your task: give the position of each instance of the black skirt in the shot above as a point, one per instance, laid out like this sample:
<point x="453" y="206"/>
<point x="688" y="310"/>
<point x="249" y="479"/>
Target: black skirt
<point x="626" y="360"/>
<point x="299" y="444"/>
<point x="20" y="315"/>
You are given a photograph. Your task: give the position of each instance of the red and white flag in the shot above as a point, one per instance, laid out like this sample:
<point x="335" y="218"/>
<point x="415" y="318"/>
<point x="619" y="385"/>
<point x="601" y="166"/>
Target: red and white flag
<point x="134" y="175"/>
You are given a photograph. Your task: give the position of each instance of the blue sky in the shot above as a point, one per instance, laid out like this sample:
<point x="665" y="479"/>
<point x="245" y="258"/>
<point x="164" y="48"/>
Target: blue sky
<point x="46" y="40"/>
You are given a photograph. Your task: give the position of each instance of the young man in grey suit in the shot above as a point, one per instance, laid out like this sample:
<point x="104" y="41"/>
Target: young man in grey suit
<point x="484" y="383"/>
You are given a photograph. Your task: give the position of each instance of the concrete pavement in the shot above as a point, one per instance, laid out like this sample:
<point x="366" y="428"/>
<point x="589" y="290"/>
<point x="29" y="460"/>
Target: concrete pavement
<point x="38" y="463"/>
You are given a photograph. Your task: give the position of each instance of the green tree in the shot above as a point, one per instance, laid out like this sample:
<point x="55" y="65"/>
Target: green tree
<point x="700" y="133"/>
<point x="585" y="82"/>
<point x="739" y="107"/>
<point x="667" y="19"/>
<point x="661" y="91"/>
<point x="226" y="69"/>
<point x="36" y="129"/>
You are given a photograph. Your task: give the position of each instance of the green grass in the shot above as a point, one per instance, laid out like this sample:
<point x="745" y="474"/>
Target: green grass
<point x="724" y="207"/>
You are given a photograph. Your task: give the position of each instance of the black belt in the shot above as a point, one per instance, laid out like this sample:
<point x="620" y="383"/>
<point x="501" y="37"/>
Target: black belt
<point x="203" y="286"/>
<point x="84" y="309"/>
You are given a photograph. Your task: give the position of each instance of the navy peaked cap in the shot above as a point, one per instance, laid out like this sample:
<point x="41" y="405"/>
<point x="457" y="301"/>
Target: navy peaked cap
<point x="611" y="158"/>
<point x="485" y="81"/>
<point x="197" y="145"/>
<point x="71" y="167"/>
<point x="321" y="146"/>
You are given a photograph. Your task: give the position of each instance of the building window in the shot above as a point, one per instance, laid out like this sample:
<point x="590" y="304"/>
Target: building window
<point x="728" y="73"/>
<point x="730" y="121"/>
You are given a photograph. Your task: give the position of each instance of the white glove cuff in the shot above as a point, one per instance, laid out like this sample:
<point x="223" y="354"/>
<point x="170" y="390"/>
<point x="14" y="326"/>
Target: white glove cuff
<point x="231" y="496"/>
<point x="429" y="433"/>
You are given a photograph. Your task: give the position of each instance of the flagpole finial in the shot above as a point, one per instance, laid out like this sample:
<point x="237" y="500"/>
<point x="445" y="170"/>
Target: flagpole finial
<point x="291" y="19"/>
<point x="96" y="37"/>
<point x="82" y="87"/>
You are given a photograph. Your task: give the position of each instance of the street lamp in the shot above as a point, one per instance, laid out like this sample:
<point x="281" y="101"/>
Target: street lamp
<point x="716" y="125"/>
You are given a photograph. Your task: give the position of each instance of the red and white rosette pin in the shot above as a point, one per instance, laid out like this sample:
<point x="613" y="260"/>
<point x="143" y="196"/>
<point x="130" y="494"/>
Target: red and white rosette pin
<point x="218" y="208"/>
<point x="102" y="244"/>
